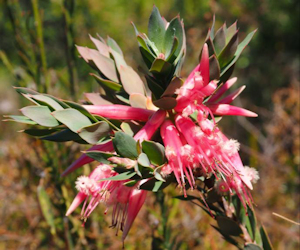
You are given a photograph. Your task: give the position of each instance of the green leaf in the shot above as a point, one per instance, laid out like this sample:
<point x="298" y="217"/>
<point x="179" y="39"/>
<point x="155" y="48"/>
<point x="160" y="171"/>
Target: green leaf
<point x="39" y="132"/>
<point x="154" y="185"/>
<point x="93" y="133"/>
<point x="125" y="145"/>
<point x="214" y="68"/>
<point x="230" y="31"/>
<point x="63" y="136"/>
<point x="22" y="90"/>
<point x="170" y="56"/>
<point x="131" y="183"/>
<point x="46" y="208"/>
<point x="238" y="52"/>
<point x="166" y="103"/>
<point x="229" y="226"/>
<point x="155" y="88"/>
<point x="121" y="177"/>
<point x="156" y="29"/>
<point x="252" y="246"/>
<point x="143" y="160"/>
<point x="174" y="29"/>
<point x="220" y="40"/>
<point x="155" y="152"/>
<point x="72" y="118"/>
<point x="265" y="239"/>
<point x="46" y="100"/>
<point x="112" y="44"/>
<point x="82" y="110"/>
<point x="229" y="50"/>
<point x="99" y="156"/>
<point x="252" y="221"/>
<point x="107" y="83"/>
<point x="160" y="66"/>
<point x="187" y="198"/>
<point x="41" y="115"/>
<point x="19" y="118"/>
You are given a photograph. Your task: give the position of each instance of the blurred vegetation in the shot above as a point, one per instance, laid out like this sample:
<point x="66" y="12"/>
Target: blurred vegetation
<point x="37" y="51"/>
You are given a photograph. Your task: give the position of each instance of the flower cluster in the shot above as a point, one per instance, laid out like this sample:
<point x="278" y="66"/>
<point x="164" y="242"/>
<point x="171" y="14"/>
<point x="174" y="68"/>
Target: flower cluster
<point x="146" y="136"/>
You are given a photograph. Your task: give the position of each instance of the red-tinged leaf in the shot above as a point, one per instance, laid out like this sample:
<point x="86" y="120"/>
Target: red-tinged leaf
<point x="105" y="65"/>
<point x="102" y="47"/>
<point x="96" y="99"/>
<point x="131" y="81"/>
<point x="138" y="100"/>
<point x="220" y="39"/>
<point x="166" y="103"/>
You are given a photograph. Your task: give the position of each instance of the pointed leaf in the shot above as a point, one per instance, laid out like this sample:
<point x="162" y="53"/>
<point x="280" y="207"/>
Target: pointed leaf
<point x="156" y="29"/>
<point x="230" y="31"/>
<point x="154" y="185"/>
<point x="121" y="177"/>
<point x="46" y="100"/>
<point x="214" y="68"/>
<point x="107" y="83"/>
<point x="220" y="40"/>
<point x="39" y="132"/>
<point x="100" y="156"/>
<point x="131" y="81"/>
<point x="105" y="65"/>
<point x="265" y="239"/>
<point x="101" y="47"/>
<point x="175" y="29"/>
<point x="228" y="52"/>
<point x="41" y="115"/>
<point x="238" y="52"/>
<point x="63" y="136"/>
<point x="19" y="118"/>
<point x="46" y="208"/>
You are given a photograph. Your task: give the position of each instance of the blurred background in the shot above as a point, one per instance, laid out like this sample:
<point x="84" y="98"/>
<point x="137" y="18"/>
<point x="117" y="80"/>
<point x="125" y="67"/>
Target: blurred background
<point x="37" y="50"/>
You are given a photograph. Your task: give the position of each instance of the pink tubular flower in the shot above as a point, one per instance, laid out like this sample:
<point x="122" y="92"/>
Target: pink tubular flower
<point x="126" y="202"/>
<point x="180" y="157"/>
<point x="144" y="134"/>
<point x="120" y="112"/>
<point x="197" y="89"/>
<point x="215" y="153"/>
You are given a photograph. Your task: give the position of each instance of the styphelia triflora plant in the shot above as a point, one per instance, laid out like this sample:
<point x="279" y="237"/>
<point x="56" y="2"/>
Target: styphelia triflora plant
<point x="147" y="136"/>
